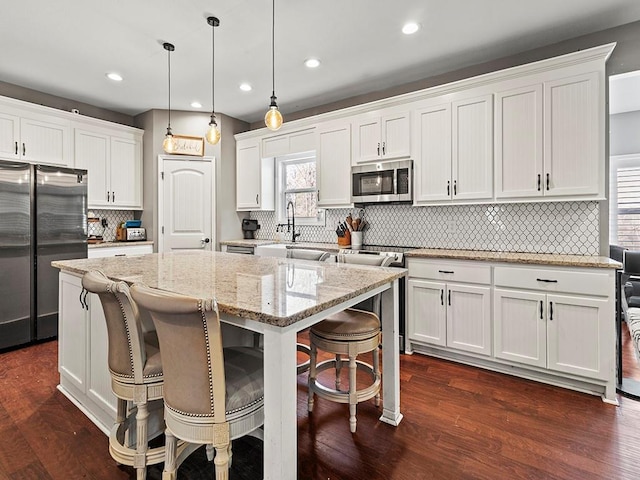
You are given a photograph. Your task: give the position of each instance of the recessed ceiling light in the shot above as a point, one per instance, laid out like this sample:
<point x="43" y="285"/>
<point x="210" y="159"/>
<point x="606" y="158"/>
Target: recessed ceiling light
<point x="196" y="104"/>
<point x="410" y="28"/>
<point x="312" y="62"/>
<point x="114" y="76"/>
<point x="245" y="87"/>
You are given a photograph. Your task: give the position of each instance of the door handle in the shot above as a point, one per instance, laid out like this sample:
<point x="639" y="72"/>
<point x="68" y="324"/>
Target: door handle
<point x="204" y="241"/>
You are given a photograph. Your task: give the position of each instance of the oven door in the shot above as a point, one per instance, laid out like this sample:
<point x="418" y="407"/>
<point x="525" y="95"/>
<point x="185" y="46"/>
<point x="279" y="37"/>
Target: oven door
<point x="373" y="186"/>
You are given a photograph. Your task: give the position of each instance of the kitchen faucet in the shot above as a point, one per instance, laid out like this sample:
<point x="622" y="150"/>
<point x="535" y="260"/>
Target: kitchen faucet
<point x="291" y="225"/>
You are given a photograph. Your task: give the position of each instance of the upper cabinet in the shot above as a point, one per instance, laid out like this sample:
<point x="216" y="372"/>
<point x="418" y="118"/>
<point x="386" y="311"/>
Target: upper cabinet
<point x="334" y="164"/>
<point x="381" y="135"/>
<point x="454" y="150"/>
<point x="30" y="137"/>
<point x="113" y="161"/>
<point x="547" y="140"/>
<point x="255" y="177"/>
<point x="297" y="142"/>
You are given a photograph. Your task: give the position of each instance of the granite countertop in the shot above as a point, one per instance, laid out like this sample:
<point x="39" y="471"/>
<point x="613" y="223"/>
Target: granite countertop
<point x="277" y="291"/>
<point x="120" y="244"/>
<point x="514" y="257"/>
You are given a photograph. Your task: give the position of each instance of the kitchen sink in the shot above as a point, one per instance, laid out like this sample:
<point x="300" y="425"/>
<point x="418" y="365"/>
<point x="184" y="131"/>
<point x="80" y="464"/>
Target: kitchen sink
<point x="272" y="250"/>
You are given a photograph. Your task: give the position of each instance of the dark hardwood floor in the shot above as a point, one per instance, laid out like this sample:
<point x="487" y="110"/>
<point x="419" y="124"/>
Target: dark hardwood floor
<point x="459" y="422"/>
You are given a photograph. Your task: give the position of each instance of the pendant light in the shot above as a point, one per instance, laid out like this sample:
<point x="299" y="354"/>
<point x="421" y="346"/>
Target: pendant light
<point x="273" y="118"/>
<point x="213" y="134"/>
<point x="169" y="143"/>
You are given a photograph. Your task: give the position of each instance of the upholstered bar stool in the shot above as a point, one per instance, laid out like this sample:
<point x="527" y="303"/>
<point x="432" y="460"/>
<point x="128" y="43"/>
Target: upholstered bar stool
<point x="350" y="333"/>
<point x="136" y="373"/>
<point x="306" y="254"/>
<point x="211" y="395"/>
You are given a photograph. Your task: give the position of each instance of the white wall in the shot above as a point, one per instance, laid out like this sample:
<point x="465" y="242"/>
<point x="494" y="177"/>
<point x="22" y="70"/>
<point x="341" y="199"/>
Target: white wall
<point x="624" y="129"/>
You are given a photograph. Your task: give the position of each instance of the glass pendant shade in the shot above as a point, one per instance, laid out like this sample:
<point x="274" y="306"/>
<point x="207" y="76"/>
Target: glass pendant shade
<point x="273" y="118"/>
<point x="213" y="134"/>
<point x="169" y="143"/>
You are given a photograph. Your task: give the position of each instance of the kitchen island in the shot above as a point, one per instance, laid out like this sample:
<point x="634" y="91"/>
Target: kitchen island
<point x="272" y="296"/>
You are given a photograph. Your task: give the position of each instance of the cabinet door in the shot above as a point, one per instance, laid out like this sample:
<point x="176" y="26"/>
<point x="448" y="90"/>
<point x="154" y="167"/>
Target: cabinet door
<point x="433" y="164"/>
<point x="9" y="136"/>
<point x="334" y="165"/>
<point x="573" y="136"/>
<point x="520" y="328"/>
<point x="396" y="136"/>
<point x="45" y="142"/>
<point x="469" y="318"/>
<point x="519" y="171"/>
<point x="427" y="318"/>
<point x="247" y="175"/>
<point x="92" y="154"/>
<point x="367" y="141"/>
<point x="126" y="172"/>
<point x="99" y="378"/>
<point x="72" y="333"/>
<point x="472" y="149"/>
<point x="580" y="336"/>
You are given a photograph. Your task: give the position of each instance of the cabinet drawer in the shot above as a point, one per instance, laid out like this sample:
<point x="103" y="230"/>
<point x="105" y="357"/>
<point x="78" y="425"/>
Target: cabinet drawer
<point x="568" y="281"/>
<point x="450" y="271"/>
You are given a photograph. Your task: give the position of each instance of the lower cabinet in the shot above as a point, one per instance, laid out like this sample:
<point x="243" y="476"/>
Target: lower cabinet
<point x="83" y="348"/>
<point x="551" y="324"/>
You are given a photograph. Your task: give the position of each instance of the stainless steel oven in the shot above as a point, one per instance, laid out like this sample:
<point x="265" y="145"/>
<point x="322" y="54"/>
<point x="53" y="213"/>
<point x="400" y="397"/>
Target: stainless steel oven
<point x="399" y="261"/>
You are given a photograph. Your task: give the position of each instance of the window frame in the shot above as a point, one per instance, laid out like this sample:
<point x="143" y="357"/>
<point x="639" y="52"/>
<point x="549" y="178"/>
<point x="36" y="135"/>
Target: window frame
<point x="617" y="162"/>
<point x="281" y="190"/>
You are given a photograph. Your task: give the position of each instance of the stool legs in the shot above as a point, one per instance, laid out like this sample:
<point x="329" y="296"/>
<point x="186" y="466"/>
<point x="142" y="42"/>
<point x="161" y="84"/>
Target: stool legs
<point x="312" y="375"/>
<point x="353" y="395"/>
<point x="169" y="472"/>
<point x="376" y="371"/>
<point x="338" y="371"/>
<point x="140" y="458"/>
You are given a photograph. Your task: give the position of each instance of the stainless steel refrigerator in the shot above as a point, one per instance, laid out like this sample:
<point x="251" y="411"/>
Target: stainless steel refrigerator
<point x="43" y="217"/>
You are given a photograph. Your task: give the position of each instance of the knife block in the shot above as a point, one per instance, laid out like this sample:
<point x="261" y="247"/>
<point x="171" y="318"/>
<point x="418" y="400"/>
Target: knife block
<point x="346" y="240"/>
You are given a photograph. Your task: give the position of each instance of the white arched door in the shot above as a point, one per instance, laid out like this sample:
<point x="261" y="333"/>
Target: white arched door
<point x="185" y="206"/>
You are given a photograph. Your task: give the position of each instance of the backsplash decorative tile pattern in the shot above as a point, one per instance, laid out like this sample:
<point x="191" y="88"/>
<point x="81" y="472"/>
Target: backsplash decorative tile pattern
<point x="113" y="217"/>
<point x="562" y="227"/>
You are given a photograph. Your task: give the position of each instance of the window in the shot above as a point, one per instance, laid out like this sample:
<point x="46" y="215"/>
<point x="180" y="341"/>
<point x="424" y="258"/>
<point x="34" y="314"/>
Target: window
<point x="297" y="184"/>
<point x="624" y="206"/>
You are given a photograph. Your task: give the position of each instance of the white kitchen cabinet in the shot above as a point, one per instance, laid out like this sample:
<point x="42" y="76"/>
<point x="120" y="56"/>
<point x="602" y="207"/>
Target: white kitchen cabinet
<point x="447" y="313"/>
<point x="384" y="135"/>
<point x="255" y="177"/>
<point x="296" y="142"/>
<point x="114" y="164"/>
<point x="455" y="150"/>
<point x="573" y="132"/>
<point x="35" y="138"/>
<point x="333" y="164"/>
<point x="125" y="249"/>
<point x="548" y="140"/>
<point x="83" y="364"/>
<point x="560" y="332"/>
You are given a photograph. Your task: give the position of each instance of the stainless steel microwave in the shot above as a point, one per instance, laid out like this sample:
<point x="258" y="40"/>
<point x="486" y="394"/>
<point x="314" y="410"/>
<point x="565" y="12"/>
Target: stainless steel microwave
<point x="384" y="182"/>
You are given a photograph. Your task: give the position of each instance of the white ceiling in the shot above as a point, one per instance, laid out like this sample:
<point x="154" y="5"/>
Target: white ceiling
<point x="65" y="47"/>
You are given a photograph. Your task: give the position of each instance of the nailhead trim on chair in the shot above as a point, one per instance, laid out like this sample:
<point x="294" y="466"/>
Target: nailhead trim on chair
<point x="126" y="324"/>
<point x="212" y="306"/>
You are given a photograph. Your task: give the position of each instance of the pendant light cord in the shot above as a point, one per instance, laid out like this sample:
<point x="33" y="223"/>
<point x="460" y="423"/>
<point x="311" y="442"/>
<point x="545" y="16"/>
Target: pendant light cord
<point x="273" y="47"/>
<point x="213" y="69"/>
<point x="169" y="62"/>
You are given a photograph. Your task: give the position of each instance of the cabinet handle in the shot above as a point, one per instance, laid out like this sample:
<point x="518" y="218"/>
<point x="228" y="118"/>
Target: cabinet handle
<point x="455" y="187"/>
<point x="441" y="297"/>
<point x="384" y="145"/>
<point x="120" y="255"/>
<point x="547" y="181"/>
<point x="446" y="271"/>
<point x="546" y="281"/>
<point x="113" y="196"/>
<point x="539" y="181"/>
<point x="16" y="148"/>
<point x="448" y="188"/>
<point x="541" y="307"/>
<point x="550" y="310"/>
<point x="80" y="297"/>
<point x="257" y="198"/>
<point x="378" y="148"/>
<point x="318" y="195"/>
<point x="449" y="299"/>
<point x="24" y="149"/>
<point x="108" y="196"/>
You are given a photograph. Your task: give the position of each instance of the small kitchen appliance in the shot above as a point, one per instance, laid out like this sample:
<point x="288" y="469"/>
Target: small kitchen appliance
<point x="249" y="228"/>
<point x="383" y="182"/>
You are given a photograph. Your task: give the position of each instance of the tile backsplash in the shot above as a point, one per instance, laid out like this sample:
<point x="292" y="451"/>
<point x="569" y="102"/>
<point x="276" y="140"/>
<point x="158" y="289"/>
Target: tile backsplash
<point x="560" y="227"/>
<point x="113" y="217"/>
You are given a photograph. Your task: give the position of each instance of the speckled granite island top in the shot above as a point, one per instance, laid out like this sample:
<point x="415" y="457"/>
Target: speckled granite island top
<point x="276" y="291"/>
<point x="592" y="261"/>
